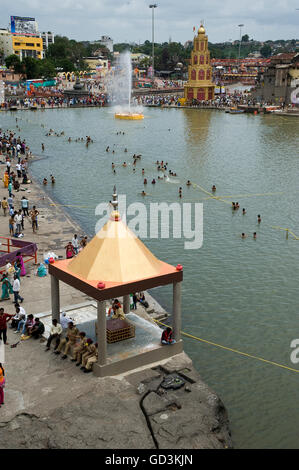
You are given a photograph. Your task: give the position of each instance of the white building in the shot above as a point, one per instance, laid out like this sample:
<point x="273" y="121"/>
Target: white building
<point x="6" y="48"/>
<point x="48" y="38"/>
<point x="107" y="42"/>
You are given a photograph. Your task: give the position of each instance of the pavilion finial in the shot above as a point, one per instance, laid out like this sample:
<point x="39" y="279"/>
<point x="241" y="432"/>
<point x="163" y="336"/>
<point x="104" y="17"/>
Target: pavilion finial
<point x="114" y="199"/>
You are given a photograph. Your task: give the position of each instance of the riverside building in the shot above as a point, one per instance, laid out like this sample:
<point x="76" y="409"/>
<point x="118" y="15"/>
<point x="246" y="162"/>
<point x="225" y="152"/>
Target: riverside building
<point x="28" y="46"/>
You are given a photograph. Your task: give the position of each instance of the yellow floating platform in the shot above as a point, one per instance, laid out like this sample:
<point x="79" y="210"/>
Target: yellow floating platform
<point x="129" y="116"/>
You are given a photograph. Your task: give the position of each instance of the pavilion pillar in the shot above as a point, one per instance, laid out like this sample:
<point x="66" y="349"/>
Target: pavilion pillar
<point x="102" y="333"/>
<point x="55" y="298"/>
<point x="126" y="303"/>
<point x="177" y="310"/>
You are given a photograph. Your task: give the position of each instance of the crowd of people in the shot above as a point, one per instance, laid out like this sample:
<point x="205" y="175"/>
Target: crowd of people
<point x="54" y="102"/>
<point x="15" y="152"/>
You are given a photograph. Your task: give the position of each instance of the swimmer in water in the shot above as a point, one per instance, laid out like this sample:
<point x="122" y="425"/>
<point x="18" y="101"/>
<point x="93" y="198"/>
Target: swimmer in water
<point x="43" y="147"/>
<point x="254" y="235"/>
<point x="107" y="149"/>
<point x="69" y="139"/>
<point x="52" y="179"/>
<point x="143" y="193"/>
<point x="243" y="235"/>
<point x="113" y="166"/>
<point x="154" y="181"/>
<point x="45" y="181"/>
<point x="145" y="181"/>
<point x="188" y="183"/>
<point x="126" y="150"/>
<point x="213" y="188"/>
<point x="124" y="164"/>
<point x="259" y="219"/>
<point x="142" y="172"/>
<point x="243" y="211"/>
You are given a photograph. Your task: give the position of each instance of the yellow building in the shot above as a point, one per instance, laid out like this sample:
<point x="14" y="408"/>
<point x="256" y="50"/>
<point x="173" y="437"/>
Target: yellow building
<point x="28" y="46"/>
<point x="96" y="63"/>
<point x="199" y="85"/>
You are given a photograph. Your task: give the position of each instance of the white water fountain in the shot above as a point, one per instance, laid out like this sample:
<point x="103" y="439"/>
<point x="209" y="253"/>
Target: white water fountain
<point x="120" y="89"/>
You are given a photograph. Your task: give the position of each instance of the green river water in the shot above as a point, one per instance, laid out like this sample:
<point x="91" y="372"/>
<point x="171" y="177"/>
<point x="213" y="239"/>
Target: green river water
<point x="242" y="294"/>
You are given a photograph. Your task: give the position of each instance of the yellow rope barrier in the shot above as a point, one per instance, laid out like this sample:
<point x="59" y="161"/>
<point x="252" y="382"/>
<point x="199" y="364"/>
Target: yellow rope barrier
<point x="235" y="196"/>
<point x="195" y="185"/>
<point x="286" y="230"/>
<point x="233" y="350"/>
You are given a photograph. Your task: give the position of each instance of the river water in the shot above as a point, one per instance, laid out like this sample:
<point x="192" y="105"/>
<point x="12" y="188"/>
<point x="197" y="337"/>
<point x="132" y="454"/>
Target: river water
<point x="240" y="293"/>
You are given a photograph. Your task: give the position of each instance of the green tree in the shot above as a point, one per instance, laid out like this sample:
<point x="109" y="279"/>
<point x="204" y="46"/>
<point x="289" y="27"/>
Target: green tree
<point x="31" y="67"/>
<point x="65" y="64"/>
<point x="245" y="38"/>
<point x="46" y="68"/>
<point x="13" y="61"/>
<point x="266" y="50"/>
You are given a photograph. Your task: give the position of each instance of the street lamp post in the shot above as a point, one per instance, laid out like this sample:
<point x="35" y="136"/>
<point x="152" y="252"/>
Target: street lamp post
<point x="240" y="26"/>
<point x="153" y="6"/>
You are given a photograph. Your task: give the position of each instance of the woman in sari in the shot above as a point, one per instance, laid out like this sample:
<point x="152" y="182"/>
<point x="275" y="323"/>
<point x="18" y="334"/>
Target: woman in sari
<point x="70" y="252"/>
<point x="20" y="260"/>
<point x="2" y="384"/>
<point x="5" y="179"/>
<point x="6" y="288"/>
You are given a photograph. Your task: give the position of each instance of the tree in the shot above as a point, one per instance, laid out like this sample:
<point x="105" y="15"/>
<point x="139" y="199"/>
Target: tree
<point x="13" y="61"/>
<point x="266" y="50"/>
<point x="46" y="68"/>
<point x="245" y="38"/>
<point x="31" y="67"/>
<point x="65" y="64"/>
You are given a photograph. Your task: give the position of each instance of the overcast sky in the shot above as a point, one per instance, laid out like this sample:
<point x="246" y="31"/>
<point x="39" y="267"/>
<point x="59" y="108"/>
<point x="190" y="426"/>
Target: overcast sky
<point x="130" y="20"/>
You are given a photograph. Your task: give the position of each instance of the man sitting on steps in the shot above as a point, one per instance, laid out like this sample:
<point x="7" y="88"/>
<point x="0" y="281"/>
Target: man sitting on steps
<point x="72" y="334"/>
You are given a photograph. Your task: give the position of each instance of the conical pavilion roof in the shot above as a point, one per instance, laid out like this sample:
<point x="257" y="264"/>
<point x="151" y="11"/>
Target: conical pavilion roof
<point x="115" y="255"/>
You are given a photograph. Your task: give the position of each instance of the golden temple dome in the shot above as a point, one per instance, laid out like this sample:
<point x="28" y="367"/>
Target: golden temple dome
<point x="201" y="30"/>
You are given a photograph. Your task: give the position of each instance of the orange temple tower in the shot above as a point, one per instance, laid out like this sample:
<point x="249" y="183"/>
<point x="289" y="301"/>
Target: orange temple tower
<point x="199" y="85"/>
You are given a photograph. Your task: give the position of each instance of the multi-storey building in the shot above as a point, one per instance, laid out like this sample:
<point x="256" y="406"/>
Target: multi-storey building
<point x="28" y="46"/>
<point x="107" y="42"/>
<point x="48" y="38"/>
<point x="6" y="48"/>
<point x="279" y="83"/>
